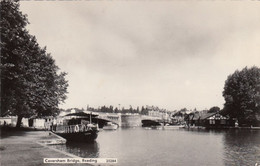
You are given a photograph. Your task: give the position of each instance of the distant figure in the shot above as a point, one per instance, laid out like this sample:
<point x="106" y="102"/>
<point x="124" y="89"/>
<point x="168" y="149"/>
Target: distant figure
<point x="45" y="126"/>
<point x="54" y="124"/>
<point x="4" y="123"/>
<point x="236" y="124"/>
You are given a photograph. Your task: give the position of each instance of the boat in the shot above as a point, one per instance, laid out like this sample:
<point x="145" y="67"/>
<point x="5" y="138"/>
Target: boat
<point x="110" y="126"/>
<point x="172" y="126"/>
<point x="158" y="127"/>
<point x="77" y="128"/>
<point x="255" y="128"/>
<point x="150" y="123"/>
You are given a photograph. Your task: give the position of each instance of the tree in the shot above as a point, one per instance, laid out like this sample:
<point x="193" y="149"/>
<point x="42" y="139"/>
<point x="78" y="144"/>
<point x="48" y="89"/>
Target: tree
<point x="241" y="93"/>
<point x="110" y="109"/>
<point x="31" y="83"/>
<point x="131" y="109"/>
<point x="137" y="110"/>
<point x="116" y="110"/>
<point x="214" y="109"/>
<point x="103" y="109"/>
<point x="144" y="111"/>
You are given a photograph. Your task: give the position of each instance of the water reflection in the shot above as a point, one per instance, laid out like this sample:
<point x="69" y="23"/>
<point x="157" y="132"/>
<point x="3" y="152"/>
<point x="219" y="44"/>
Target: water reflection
<point x="88" y="149"/>
<point x="242" y="147"/>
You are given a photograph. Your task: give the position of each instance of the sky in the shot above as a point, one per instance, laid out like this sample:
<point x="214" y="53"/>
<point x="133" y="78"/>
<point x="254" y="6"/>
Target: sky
<point x="170" y="54"/>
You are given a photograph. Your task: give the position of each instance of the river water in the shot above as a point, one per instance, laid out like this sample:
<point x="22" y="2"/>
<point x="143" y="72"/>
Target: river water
<point x="143" y="147"/>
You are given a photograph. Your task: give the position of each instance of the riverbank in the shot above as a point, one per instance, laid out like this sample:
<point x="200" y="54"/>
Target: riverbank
<point x="223" y="127"/>
<point x="23" y="148"/>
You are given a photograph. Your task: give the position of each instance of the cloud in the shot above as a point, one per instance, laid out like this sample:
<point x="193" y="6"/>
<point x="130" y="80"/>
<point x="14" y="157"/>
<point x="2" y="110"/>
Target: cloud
<point x="168" y="53"/>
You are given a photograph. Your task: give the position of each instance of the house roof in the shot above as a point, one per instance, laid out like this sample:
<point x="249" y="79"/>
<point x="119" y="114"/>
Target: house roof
<point x="207" y="115"/>
<point x="216" y="115"/>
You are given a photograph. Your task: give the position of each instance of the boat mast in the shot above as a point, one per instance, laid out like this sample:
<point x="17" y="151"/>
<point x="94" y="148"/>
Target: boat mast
<point x="90" y="119"/>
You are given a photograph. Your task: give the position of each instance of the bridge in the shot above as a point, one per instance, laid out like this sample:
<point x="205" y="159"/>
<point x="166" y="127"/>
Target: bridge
<point x="124" y="120"/>
<point x="109" y="117"/>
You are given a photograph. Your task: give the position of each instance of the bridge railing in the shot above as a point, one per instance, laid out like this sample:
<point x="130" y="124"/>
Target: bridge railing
<point x="76" y="128"/>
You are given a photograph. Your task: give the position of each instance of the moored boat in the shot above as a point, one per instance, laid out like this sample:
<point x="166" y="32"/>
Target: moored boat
<point x="150" y="123"/>
<point x="110" y="126"/>
<point x="172" y="127"/>
<point x="77" y="128"/>
<point x="82" y="133"/>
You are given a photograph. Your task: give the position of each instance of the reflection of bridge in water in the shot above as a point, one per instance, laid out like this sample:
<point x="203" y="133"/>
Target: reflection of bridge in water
<point x="124" y="120"/>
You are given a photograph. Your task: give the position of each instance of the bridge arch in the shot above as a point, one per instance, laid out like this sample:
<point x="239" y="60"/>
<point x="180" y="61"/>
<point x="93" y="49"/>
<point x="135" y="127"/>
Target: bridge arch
<point x="102" y="121"/>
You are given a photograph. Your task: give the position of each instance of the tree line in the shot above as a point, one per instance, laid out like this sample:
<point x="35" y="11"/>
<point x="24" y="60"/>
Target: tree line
<point x="123" y="110"/>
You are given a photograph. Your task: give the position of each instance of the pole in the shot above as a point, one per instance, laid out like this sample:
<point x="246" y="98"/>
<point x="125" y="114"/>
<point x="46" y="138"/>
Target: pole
<point x="90" y="119"/>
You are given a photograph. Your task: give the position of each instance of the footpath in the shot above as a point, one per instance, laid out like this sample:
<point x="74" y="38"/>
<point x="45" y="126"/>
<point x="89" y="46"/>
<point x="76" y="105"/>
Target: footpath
<point x="21" y="148"/>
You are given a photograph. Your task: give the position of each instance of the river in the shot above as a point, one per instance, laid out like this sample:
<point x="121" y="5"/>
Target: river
<point x="143" y="147"/>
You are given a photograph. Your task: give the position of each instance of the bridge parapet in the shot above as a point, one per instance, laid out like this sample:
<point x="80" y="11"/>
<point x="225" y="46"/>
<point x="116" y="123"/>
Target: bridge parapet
<point x="115" y="118"/>
<point x="150" y="117"/>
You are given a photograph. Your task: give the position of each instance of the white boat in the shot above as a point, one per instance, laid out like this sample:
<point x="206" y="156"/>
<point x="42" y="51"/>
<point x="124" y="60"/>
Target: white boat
<point x="110" y="126"/>
<point x="168" y="126"/>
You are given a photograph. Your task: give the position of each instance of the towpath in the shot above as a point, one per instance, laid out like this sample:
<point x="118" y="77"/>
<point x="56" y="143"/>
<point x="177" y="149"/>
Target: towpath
<point x="21" y="148"/>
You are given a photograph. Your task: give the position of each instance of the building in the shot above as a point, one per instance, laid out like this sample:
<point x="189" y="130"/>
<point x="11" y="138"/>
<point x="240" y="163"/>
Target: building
<point x="210" y="120"/>
<point x="216" y="120"/>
